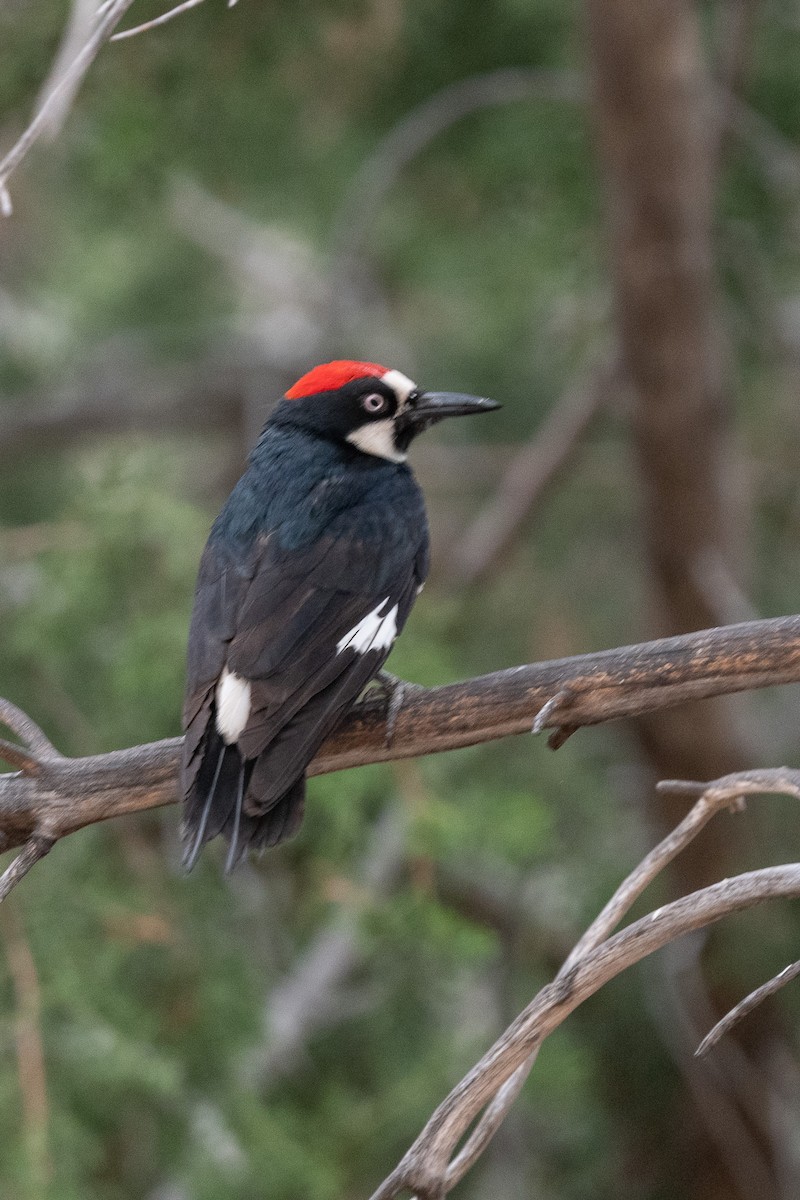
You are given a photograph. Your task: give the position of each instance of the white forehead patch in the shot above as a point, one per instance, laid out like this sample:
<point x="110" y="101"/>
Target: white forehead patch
<point x="400" y="384"/>
<point x="377" y="437"/>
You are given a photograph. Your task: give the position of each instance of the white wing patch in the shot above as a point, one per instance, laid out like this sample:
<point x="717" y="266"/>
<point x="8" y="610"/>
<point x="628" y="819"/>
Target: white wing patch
<point x="373" y="632"/>
<point x="233" y="705"/>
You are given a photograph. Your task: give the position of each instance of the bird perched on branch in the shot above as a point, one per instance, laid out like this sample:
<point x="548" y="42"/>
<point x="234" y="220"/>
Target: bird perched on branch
<point x="308" y="575"/>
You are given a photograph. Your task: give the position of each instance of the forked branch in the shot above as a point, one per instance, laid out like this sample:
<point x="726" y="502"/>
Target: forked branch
<point x="431" y="1167"/>
<point x="65" y="82"/>
<point x="68" y="73"/>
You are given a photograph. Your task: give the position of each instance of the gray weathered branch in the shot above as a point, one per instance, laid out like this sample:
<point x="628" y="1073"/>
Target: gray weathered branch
<point x="55" y="795"/>
<point x="65" y="83"/>
<point x="429" y="1169"/>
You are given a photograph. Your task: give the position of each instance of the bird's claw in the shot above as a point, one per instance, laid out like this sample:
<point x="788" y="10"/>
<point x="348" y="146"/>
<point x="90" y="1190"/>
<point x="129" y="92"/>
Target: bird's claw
<point x="395" y="691"/>
<point x="560" y="733"/>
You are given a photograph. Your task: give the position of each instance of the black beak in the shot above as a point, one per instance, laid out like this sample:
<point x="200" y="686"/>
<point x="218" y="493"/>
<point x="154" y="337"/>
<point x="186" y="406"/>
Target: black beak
<point x="428" y="407"/>
<point x="424" y="409"/>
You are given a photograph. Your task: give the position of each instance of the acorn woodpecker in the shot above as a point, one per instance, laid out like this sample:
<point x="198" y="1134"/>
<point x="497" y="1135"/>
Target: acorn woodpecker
<point x="308" y="575"/>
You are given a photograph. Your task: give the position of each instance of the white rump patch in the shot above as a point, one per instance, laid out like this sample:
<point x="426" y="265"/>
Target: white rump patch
<point x="373" y="632"/>
<point x="377" y="437"/>
<point x="233" y="705"/>
<point x="400" y="384"/>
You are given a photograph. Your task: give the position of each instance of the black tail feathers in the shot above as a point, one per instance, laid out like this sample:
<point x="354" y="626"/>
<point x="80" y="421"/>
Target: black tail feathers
<point x="218" y="802"/>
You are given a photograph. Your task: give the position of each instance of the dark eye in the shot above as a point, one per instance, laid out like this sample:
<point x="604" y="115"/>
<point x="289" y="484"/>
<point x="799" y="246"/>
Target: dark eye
<point x="374" y="403"/>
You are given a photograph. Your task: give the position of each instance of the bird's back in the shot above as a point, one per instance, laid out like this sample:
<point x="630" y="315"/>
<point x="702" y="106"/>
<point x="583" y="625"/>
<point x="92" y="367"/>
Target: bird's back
<point x="308" y="575"/>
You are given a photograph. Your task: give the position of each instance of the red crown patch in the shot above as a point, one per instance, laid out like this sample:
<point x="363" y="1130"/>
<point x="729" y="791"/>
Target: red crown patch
<point x="332" y="375"/>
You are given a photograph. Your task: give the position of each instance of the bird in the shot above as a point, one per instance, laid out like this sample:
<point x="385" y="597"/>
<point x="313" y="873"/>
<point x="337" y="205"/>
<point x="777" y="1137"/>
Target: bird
<point x="308" y="575"/>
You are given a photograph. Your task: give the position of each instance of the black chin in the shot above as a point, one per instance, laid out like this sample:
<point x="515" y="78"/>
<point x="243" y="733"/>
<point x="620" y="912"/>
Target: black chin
<point x="406" y="431"/>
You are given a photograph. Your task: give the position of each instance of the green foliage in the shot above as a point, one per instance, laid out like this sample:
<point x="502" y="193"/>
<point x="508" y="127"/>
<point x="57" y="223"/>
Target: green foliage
<point x="155" y="991"/>
<point x="110" y="601"/>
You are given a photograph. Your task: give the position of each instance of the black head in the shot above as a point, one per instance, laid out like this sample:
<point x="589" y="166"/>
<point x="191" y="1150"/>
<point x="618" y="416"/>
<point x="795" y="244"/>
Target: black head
<point x="379" y="412"/>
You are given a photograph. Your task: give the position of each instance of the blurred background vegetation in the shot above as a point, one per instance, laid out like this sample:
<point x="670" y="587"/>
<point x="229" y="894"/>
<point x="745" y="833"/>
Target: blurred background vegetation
<point x="231" y="199"/>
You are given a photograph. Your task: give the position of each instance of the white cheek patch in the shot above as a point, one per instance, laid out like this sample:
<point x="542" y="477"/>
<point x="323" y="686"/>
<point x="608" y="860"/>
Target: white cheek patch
<point x="373" y="632"/>
<point x="400" y="384"/>
<point x="377" y="437"/>
<point x="233" y="706"/>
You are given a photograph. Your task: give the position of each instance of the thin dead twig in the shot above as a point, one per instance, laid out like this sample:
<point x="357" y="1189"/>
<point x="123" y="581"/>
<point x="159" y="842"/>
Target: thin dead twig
<point x="30" y="1049"/>
<point x="68" y="71"/>
<point x="315" y="994"/>
<point x="489" y="1123"/>
<point x="162" y="20"/>
<point x="77" y="31"/>
<point x="643" y="875"/>
<point x="730" y="790"/>
<point x="68" y="82"/>
<point x="531" y="472"/>
<point x="17" y="756"/>
<point x="26" y="728"/>
<point x="746" y="1006"/>
<point x="31" y="853"/>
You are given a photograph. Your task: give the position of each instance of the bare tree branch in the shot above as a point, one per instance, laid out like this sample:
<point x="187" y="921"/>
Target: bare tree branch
<point x="489" y="1123"/>
<point x="67" y="794"/>
<point x="313" y="994"/>
<point x="731" y="789"/>
<point x="426" y="1169"/>
<point x="31" y="1068"/>
<point x="126" y="392"/>
<point x="162" y="20"/>
<point x="746" y="1006"/>
<point x="642" y="876"/>
<point x="77" y="32"/>
<point x="108" y="17"/>
<point x="17" y="757"/>
<point x="531" y="472"/>
<point x="31" y="853"/>
<point x="73" y="60"/>
<point x="24" y="727"/>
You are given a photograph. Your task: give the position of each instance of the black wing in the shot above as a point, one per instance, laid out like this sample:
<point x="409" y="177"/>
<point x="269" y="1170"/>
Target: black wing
<point x="296" y="625"/>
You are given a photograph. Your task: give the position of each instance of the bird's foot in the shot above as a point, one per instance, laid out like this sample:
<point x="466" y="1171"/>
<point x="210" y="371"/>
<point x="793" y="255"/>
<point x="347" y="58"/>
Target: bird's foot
<point x="562" y="731"/>
<point x="395" y="691"/>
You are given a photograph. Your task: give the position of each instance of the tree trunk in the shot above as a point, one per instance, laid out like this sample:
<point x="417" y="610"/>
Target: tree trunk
<point x="656" y="132"/>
